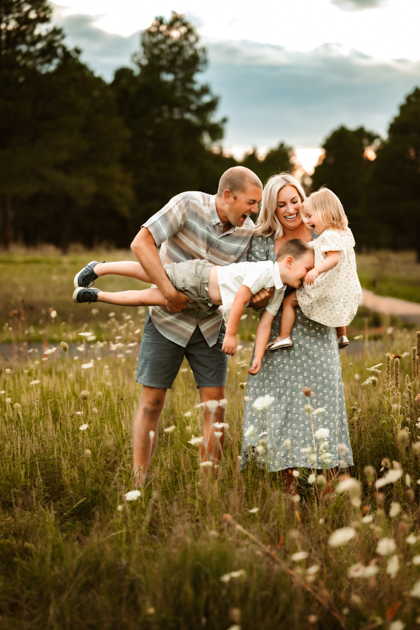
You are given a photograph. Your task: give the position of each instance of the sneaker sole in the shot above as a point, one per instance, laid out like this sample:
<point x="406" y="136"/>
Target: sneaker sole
<point x="75" y="294"/>
<point x="76" y="277"/>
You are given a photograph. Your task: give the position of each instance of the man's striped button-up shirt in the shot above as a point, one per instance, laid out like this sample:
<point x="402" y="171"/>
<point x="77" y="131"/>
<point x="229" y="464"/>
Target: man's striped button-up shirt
<point x="189" y="228"/>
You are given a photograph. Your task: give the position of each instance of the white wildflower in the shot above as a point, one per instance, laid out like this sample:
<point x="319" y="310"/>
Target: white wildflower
<point x="34" y="382"/>
<point x="7" y="371"/>
<point x="218" y="434"/>
<point x="308" y="408"/>
<point x="263" y="402"/>
<point x="360" y="571"/>
<point x="253" y="510"/>
<point x="416" y="559"/>
<point x="300" y="555"/>
<point x="195" y="440"/>
<point x="367" y="519"/>
<point x="221" y="425"/>
<point x="83" y="427"/>
<point x="132" y="495"/>
<point x="311" y="478"/>
<point x="223" y="403"/>
<point x="296" y="474"/>
<point x="341" y="536"/>
<point x="120" y="508"/>
<point x="246" y="399"/>
<point x="386" y="546"/>
<point x="170" y="429"/>
<point x="86" y="366"/>
<point x="342" y="449"/>
<point x="250" y="431"/>
<point x="318" y="411"/>
<point x="234" y="575"/>
<point x="85" y="334"/>
<point x="372" y="380"/>
<point x="199" y="405"/>
<point x="397" y="625"/>
<point x="356" y="377"/>
<point x="391" y="477"/>
<point x="206" y="464"/>
<point x="394" y="509"/>
<point x="79" y="413"/>
<point x="187" y="414"/>
<point x="411" y="539"/>
<point x="392" y="566"/>
<point x="50" y="351"/>
<point x="312" y="570"/>
<point x="151" y="434"/>
<point x="212" y="404"/>
<point x="415" y="591"/>
<point x="322" y="434"/>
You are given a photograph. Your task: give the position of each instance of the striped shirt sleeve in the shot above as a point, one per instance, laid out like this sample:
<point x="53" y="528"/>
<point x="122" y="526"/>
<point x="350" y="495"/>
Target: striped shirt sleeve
<point x="169" y="220"/>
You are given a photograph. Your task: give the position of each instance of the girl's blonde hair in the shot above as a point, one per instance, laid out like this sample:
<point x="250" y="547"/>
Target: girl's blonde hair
<point x="329" y="208"/>
<point x="268" y="222"/>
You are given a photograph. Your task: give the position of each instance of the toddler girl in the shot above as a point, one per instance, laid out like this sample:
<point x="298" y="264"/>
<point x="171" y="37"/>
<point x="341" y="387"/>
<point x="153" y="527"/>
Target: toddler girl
<point x="331" y="291"/>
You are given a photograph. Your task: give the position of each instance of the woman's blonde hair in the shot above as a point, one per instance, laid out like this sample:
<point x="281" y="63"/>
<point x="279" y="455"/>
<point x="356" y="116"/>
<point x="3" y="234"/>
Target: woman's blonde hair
<point x="268" y="222"/>
<point x="329" y="208"/>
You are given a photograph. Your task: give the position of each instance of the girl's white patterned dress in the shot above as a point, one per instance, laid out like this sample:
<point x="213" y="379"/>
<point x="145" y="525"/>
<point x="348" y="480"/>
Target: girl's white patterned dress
<point x="313" y="361"/>
<point x="334" y="297"/>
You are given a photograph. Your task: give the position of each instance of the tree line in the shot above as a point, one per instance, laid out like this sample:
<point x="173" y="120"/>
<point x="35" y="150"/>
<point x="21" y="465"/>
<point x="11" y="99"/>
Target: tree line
<point x="83" y="160"/>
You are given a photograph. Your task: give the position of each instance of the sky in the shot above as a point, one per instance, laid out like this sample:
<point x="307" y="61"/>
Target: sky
<point x="285" y="71"/>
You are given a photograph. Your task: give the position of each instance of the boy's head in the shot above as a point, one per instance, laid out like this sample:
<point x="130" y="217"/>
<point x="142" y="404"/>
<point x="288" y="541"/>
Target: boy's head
<point x="295" y="258"/>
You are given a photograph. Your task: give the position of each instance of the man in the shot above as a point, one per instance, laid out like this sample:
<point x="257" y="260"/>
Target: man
<point x="193" y="225"/>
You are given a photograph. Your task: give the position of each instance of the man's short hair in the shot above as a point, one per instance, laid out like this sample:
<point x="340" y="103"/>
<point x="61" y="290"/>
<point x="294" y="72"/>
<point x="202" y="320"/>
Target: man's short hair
<point x="236" y="180"/>
<point x="295" y="248"/>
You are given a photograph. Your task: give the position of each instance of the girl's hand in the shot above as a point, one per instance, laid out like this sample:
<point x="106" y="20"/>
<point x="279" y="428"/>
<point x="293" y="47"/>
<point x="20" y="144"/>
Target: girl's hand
<point x="255" y="367"/>
<point x="311" y="276"/>
<point x="229" y="345"/>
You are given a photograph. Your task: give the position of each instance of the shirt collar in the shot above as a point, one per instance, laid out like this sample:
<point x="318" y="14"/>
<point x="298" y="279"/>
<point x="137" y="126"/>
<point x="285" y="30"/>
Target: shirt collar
<point x="215" y="219"/>
<point x="276" y="277"/>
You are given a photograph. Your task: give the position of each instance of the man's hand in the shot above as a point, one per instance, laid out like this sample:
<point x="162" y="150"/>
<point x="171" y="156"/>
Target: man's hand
<point x="311" y="276"/>
<point x="255" y="367"/>
<point x="229" y="345"/>
<point x="260" y="299"/>
<point x="177" y="301"/>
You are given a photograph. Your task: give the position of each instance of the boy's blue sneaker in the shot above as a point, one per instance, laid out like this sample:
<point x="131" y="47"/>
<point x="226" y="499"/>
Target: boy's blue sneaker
<point x="87" y="276"/>
<point x="85" y="295"/>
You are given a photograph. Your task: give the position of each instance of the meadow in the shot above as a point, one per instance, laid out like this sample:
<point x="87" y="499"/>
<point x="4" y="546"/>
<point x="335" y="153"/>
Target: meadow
<point x="77" y="550"/>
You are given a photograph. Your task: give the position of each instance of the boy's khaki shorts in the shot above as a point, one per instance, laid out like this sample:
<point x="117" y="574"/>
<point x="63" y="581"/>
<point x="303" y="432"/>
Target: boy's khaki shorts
<point x="192" y="278"/>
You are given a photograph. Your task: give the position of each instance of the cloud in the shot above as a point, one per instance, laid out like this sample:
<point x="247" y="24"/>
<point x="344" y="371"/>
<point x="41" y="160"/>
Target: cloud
<point x="358" y="5"/>
<point x="103" y="52"/>
<point x="271" y="94"/>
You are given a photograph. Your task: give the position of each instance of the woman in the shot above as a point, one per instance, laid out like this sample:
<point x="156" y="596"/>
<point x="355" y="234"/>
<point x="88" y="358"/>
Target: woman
<point x="289" y="441"/>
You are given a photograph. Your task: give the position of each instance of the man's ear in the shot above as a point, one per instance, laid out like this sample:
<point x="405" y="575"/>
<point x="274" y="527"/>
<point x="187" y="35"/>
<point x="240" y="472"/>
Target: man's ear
<point x="227" y="196"/>
<point x="289" y="260"/>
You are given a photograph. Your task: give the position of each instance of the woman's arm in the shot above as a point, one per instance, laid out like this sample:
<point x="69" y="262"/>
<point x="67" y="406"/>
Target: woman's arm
<point x="258" y="251"/>
<point x="261" y="340"/>
<point x="331" y="261"/>
<point x="241" y="298"/>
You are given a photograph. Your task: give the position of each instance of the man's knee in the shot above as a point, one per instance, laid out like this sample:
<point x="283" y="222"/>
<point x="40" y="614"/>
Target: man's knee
<point x="152" y="401"/>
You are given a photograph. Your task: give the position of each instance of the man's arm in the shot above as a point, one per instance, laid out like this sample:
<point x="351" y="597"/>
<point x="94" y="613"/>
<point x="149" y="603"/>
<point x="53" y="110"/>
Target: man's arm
<point x="144" y="248"/>
<point x="241" y="298"/>
<point x="261" y="340"/>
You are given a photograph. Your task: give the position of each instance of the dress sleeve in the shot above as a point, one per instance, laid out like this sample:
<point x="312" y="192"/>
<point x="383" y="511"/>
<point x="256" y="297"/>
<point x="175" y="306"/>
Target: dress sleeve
<point x="258" y="248"/>
<point x="169" y="220"/>
<point x="331" y="241"/>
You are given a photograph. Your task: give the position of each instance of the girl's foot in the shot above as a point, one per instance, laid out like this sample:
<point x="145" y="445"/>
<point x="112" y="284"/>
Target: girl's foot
<point x="278" y="344"/>
<point x="87" y="276"/>
<point x="342" y="341"/>
<point x="81" y="295"/>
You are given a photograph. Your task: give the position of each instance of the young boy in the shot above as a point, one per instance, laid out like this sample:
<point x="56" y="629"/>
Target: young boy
<point x="209" y="286"/>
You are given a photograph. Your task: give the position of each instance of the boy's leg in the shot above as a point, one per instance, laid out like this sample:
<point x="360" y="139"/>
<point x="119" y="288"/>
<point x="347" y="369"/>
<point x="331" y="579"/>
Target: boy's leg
<point x="122" y="268"/>
<point x="288" y="315"/>
<point x="147" y="297"/>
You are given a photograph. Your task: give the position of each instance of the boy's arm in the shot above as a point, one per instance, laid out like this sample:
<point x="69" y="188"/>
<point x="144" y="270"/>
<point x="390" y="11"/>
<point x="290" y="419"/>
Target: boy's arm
<point x="261" y="340"/>
<point x="241" y="298"/>
<point x="331" y="261"/>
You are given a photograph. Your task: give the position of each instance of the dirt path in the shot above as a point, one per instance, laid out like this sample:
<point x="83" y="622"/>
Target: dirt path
<point x="409" y="311"/>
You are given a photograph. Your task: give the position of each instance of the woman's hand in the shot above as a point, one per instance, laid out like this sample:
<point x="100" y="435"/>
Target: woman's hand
<point x="229" y="344"/>
<point x="255" y="367"/>
<point x="260" y="299"/>
<point x="311" y="276"/>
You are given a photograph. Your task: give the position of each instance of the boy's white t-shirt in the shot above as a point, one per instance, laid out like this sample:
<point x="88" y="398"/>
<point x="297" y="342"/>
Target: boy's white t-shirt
<point x="254" y="275"/>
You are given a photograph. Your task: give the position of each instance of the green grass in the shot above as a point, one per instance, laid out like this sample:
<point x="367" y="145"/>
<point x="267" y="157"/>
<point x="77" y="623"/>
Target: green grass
<point x="75" y="554"/>
<point x="390" y="274"/>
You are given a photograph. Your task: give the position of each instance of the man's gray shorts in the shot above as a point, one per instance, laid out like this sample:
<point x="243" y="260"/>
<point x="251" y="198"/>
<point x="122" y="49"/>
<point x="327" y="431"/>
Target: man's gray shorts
<point x="160" y="359"/>
<point x="192" y="278"/>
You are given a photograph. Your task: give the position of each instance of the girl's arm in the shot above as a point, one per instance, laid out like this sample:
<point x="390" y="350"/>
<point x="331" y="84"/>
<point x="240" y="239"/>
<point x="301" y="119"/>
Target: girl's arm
<point x="241" y="298"/>
<point x="331" y="261"/>
<point x="261" y="340"/>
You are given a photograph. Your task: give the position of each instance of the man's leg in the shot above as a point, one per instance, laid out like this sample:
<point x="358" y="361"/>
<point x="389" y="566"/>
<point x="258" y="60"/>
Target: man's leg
<point x="211" y="447"/>
<point x="146" y="422"/>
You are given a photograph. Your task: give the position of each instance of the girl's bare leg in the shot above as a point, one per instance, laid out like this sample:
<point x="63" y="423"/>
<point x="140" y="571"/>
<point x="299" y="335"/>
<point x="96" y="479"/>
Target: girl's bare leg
<point x="148" y="297"/>
<point x="341" y="331"/>
<point x="288" y="315"/>
<point x="122" y="268"/>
